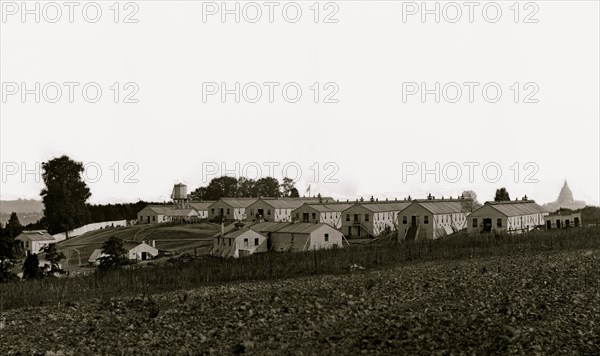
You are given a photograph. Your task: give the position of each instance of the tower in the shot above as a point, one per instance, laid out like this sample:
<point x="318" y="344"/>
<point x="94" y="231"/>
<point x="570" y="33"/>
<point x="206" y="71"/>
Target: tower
<point x="179" y="196"/>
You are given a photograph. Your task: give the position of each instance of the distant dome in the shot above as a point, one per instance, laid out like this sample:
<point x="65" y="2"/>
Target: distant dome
<point x="566" y="195"/>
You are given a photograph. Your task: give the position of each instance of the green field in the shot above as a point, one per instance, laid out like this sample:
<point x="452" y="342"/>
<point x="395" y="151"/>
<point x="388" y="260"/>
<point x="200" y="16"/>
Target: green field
<point x="180" y="239"/>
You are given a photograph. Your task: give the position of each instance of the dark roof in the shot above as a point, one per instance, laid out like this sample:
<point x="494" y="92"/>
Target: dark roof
<point x="268" y="226"/>
<point x="325" y="208"/>
<point x="301" y="228"/>
<point x="237" y="202"/>
<point x="516" y="207"/>
<point x="201" y="205"/>
<point x="447" y="206"/>
<point x="159" y="209"/>
<point x="292" y="203"/>
<point x="36" y="235"/>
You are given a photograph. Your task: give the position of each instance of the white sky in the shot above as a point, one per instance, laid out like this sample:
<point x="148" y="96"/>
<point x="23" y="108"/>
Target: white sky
<point x="368" y="135"/>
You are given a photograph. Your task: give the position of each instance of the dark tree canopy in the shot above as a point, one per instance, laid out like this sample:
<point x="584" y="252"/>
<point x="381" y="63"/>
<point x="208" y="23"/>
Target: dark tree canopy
<point x="115" y="254"/>
<point x="502" y="195"/>
<point x="65" y="195"/>
<point x="31" y="267"/>
<point x="268" y="187"/>
<point x="10" y="248"/>
<point x="229" y="187"/>
<point x="13" y="227"/>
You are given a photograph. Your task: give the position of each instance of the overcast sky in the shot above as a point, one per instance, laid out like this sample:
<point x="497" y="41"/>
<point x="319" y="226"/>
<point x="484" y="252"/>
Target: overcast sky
<point x="371" y="132"/>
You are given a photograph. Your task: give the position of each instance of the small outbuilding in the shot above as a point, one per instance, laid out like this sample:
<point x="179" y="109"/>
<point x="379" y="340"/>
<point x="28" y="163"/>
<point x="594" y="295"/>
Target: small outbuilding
<point x="562" y="220"/>
<point x="153" y="214"/>
<point x="34" y="241"/>
<point x="140" y="251"/>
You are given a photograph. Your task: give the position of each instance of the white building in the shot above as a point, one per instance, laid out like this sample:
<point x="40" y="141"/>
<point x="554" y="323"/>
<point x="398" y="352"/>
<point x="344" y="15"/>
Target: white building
<point x="563" y="220"/>
<point x="305" y="237"/>
<point x="135" y="251"/>
<point x="432" y="218"/>
<point x="513" y="216"/>
<point x="201" y="208"/>
<point x="35" y="240"/>
<point x="239" y="242"/>
<point x="153" y="214"/>
<point x="140" y="251"/>
<point x="229" y="209"/>
<point x="277" y="209"/>
<point x="330" y="214"/>
<point x="371" y="219"/>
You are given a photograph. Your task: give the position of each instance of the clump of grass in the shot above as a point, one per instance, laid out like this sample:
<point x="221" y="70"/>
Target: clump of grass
<point x="186" y="274"/>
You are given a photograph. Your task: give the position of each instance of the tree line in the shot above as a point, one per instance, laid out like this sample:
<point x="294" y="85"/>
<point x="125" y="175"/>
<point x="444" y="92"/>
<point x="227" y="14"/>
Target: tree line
<point x="242" y="187"/>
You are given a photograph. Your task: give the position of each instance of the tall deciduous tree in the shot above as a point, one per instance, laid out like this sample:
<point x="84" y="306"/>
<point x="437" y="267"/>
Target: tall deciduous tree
<point x="287" y="186"/>
<point x="65" y="195"/>
<point x="470" y="202"/>
<point x="268" y="187"/>
<point x="222" y="187"/>
<point x="502" y="195"/>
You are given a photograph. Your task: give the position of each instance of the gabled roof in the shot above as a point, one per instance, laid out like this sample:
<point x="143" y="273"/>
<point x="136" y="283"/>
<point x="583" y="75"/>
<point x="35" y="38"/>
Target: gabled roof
<point x="291" y="203"/>
<point x="515" y="207"/>
<point x="326" y="208"/>
<point x="381" y="207"/>
<point x="268" y="226"/>
<point x="129" y="245"/>
<point x="201" y="205"/>
<point x="159" y="209"/>
<point x="96" y="255"/>
<point x="182" y="212"/>
<point x="237" y="233"/>
<point x="440" y="206"/>
<point x="236" y="202"/>
<point x="301" y="228"/>
<point x="35" y="235"/>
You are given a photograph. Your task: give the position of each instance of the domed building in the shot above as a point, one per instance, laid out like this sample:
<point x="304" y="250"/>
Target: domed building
<point x="565" y="200"/>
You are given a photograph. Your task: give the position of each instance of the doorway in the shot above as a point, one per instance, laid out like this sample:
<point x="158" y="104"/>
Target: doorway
<point x="487" y="225"/>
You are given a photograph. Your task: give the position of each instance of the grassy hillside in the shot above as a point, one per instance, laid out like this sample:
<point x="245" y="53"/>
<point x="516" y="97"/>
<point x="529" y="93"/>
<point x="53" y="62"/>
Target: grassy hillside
<point x="178" y="238"/>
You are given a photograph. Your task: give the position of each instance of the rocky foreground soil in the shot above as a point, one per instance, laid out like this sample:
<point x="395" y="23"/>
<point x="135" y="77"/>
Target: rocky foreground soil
<point x="543" y="304"/>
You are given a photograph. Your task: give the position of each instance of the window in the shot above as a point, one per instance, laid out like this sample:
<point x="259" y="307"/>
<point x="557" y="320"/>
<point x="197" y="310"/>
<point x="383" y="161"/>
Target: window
<point x="426" y="219"/>
<point x="230" y="241"/>
<point x="292" y="237"/>
<point x="366" y="217"/>
<point x="256" y="241"/>
<point x="212" y="211"/>
<point x="314" y="216"/>
<point x="246" y="242"/>
<point x="298" y="216"/>
<point x="269" y="212"/>
<point x="251" y="212"/>
<point x="404" y="220"/>
<point x="474" y="222"/>
<point x="347" y="217"/>
<point x="499" y="223"/>
<point x="326" y="237"/>
<point x="227" y="211"/>
<point x="154" y="218"/>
